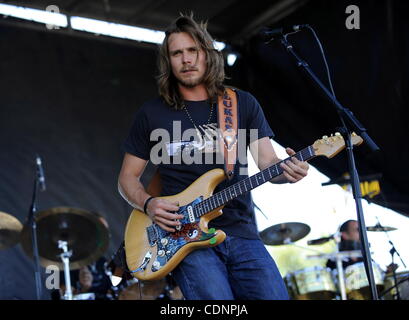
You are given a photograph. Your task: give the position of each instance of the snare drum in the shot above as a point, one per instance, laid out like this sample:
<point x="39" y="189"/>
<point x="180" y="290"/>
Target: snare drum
<point x="356" y="281"/>
<point x="314" y="283"/>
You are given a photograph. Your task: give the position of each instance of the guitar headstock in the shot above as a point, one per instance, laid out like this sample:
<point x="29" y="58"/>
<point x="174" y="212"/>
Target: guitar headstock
<point x="331" y="146"/>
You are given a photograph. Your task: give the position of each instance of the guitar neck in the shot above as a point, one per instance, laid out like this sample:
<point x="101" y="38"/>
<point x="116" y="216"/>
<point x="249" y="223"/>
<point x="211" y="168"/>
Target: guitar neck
<point x="243" y="186"/>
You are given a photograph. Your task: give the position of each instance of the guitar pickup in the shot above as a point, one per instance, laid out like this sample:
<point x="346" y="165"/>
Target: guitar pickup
<point x="191" y="214"/>
<point x="152" y="235"/>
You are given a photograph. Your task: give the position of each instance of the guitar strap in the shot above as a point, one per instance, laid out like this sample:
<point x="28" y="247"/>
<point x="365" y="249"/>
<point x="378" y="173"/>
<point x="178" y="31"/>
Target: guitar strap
<point x="228" y="125"/>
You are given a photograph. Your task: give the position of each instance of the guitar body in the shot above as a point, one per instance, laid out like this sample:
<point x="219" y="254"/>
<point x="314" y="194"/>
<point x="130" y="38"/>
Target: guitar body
<point x="155" y="252"/>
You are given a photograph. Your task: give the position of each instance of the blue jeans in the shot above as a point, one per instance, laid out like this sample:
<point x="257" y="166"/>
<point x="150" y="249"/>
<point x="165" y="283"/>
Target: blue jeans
<point x="237" y="268"/>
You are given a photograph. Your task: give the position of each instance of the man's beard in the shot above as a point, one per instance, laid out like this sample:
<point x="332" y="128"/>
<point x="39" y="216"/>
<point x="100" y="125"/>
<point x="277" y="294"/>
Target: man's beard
<point x="191" y="83"/>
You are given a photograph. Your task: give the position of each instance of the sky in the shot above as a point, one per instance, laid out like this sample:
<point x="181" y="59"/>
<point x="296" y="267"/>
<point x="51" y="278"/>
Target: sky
<point x="323" y="209"/>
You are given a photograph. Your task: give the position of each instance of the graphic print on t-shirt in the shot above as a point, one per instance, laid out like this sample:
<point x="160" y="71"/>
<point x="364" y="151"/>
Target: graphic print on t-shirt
<point x="205" y="141"/>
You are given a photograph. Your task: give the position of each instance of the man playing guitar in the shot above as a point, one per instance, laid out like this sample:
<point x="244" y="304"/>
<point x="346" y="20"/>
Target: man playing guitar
<point x="191" y="76"/>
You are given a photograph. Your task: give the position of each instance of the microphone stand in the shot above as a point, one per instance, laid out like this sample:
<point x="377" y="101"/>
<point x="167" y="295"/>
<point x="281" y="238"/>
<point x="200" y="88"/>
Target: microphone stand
<point x="347" y="115"/>
<point x="31" y="222"/>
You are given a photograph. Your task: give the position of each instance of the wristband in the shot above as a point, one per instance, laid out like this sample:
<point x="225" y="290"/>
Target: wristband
<point x="145" y="206"/>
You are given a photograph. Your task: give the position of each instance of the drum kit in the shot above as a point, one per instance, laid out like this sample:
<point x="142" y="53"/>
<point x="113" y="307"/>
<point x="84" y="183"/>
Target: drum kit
<point x="344" y="282"/>
<point x="70" y="239"/>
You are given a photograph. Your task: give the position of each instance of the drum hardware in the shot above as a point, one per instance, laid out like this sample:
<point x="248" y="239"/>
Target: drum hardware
<point x="392" y="251"/>
<point x="284" y="233"/>
<point x="340" y="269"/>
<point x="10" y="230"/>
<point x="379" y="228"/>
<point x="85" y="233"/>
<point x="65" y="257"/>
<point x="399" y="281"/>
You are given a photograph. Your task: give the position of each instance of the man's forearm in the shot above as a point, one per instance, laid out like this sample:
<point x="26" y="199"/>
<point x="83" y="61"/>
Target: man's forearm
<point x="132" y="190"/>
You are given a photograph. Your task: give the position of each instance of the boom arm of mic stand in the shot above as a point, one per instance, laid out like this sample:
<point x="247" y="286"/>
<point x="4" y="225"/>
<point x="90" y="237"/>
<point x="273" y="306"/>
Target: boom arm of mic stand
<point x="360" y="130"/>
<point x="343" y="112"/>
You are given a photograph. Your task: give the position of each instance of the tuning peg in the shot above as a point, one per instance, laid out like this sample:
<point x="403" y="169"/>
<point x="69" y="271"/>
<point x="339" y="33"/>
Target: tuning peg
<point x="325" y="137"/>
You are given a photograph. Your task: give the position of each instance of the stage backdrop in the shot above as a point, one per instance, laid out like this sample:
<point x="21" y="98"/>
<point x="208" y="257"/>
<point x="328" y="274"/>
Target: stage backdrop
<point x="71" y="100"/>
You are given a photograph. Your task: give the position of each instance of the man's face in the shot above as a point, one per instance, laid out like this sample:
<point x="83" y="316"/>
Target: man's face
<point x="352" y="232"/>
<point x="188" y="61"/>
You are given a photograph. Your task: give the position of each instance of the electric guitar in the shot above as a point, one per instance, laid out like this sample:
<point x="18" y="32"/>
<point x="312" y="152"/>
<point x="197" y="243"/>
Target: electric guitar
<point x="151" y="252"/>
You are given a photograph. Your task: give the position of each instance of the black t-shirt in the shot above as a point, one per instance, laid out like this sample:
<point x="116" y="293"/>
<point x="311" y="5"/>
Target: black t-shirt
<point x="167" y="138"/>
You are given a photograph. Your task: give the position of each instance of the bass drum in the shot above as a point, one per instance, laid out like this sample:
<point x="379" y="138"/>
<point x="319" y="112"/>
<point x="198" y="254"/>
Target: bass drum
<point x="390" y="292"/>
<point x="314" y="283"/>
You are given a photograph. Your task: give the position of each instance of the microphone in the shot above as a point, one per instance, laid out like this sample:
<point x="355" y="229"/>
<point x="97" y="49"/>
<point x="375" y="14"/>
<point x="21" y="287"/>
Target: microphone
<point x="269" y="34"/>
<point x="320" y="240"/>
<point x="40" y="173"/>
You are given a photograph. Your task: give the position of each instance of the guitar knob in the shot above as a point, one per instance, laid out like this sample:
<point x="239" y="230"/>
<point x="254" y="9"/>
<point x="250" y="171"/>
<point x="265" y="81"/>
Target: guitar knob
<point x="164" y="241"/>
<point x="156" y="265"/>
<point x="161" y="253"/>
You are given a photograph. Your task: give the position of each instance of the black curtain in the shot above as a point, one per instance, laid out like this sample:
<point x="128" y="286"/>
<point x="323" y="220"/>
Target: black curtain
<point x="72" y="101"/>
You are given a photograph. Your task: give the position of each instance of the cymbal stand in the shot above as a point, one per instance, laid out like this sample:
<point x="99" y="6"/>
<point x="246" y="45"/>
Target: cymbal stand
<point x="65" y="257"/>
<point x="339" y="258"/>
<point x="395" y="280"/>
<point x="392" y="252"/>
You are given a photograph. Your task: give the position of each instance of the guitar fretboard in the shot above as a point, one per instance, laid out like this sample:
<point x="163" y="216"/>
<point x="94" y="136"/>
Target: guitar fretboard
<point x="222" y="197"/>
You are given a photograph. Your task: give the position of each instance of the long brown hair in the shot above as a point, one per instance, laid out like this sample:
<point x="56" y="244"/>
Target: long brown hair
<point x="214" y="75"/>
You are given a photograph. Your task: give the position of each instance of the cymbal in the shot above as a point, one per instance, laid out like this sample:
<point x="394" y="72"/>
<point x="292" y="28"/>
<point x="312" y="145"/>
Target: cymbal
<point x="284" y="233"/>
<point x="10" y="230"/>
<point x="378" y="228"/>
<point x="86" y="234"/>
